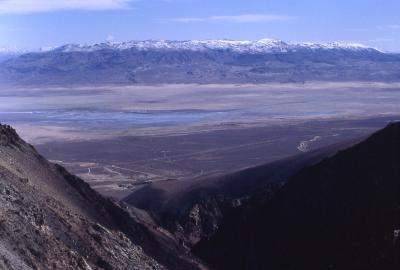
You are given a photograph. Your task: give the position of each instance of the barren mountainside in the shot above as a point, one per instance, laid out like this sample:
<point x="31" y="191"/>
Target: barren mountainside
<point x="50" y="219"/>
<point x="326" y="209"/>
<point x="341" y="213"/>
<point x="210" y="61"/>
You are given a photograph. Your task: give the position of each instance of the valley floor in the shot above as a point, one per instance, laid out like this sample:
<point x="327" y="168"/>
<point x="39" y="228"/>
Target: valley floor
<point x="116" y="167"/>
<point x="119" y="138"/>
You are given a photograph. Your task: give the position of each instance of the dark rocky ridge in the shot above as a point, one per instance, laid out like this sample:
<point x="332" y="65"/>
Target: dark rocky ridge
<point x="342" y="213"/>
<point x="193" y="209"/>
<point x="50" y="219"/>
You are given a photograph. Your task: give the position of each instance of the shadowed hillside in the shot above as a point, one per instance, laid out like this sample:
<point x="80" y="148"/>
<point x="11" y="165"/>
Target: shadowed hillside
<point x="193" y="209"/>
<point x="342" y="213"/>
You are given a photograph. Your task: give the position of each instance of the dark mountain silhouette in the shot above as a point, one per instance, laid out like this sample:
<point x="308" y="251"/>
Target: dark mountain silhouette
<point x="342" y="213"/>
<point x="50" y="219"/>
<point x="192" y="209"/>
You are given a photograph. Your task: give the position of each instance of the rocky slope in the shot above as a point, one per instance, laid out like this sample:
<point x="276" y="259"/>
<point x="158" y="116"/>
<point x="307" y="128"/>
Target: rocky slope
<point x="327" y="209"/>
<point x="193" y="209"/>
<point x="211" y="61"/>
<point x="50" y="219"/>
<point x="342" y="213"/>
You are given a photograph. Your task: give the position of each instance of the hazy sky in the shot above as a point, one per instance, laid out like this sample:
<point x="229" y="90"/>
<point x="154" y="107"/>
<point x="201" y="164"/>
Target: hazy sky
<point x="36" y="23"/>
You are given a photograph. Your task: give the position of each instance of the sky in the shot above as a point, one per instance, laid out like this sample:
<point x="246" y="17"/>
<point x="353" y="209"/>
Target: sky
<point x="40" y="23"/>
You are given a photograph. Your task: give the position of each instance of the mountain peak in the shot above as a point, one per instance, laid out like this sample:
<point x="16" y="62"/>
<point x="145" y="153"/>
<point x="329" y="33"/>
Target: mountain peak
<point x="271" y="41"/>
<point x="8" y="136"/>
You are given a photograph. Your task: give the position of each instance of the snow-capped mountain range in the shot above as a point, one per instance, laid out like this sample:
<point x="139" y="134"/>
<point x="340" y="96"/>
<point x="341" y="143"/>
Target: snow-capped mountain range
<point x="201" y="61"/>
<point x="260" y="46"/>
<point x="238" y="46"/>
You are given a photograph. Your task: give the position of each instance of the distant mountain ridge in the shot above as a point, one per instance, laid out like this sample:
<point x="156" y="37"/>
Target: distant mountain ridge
<point x="238" y="46"/>
<point x="200" y="61"/>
